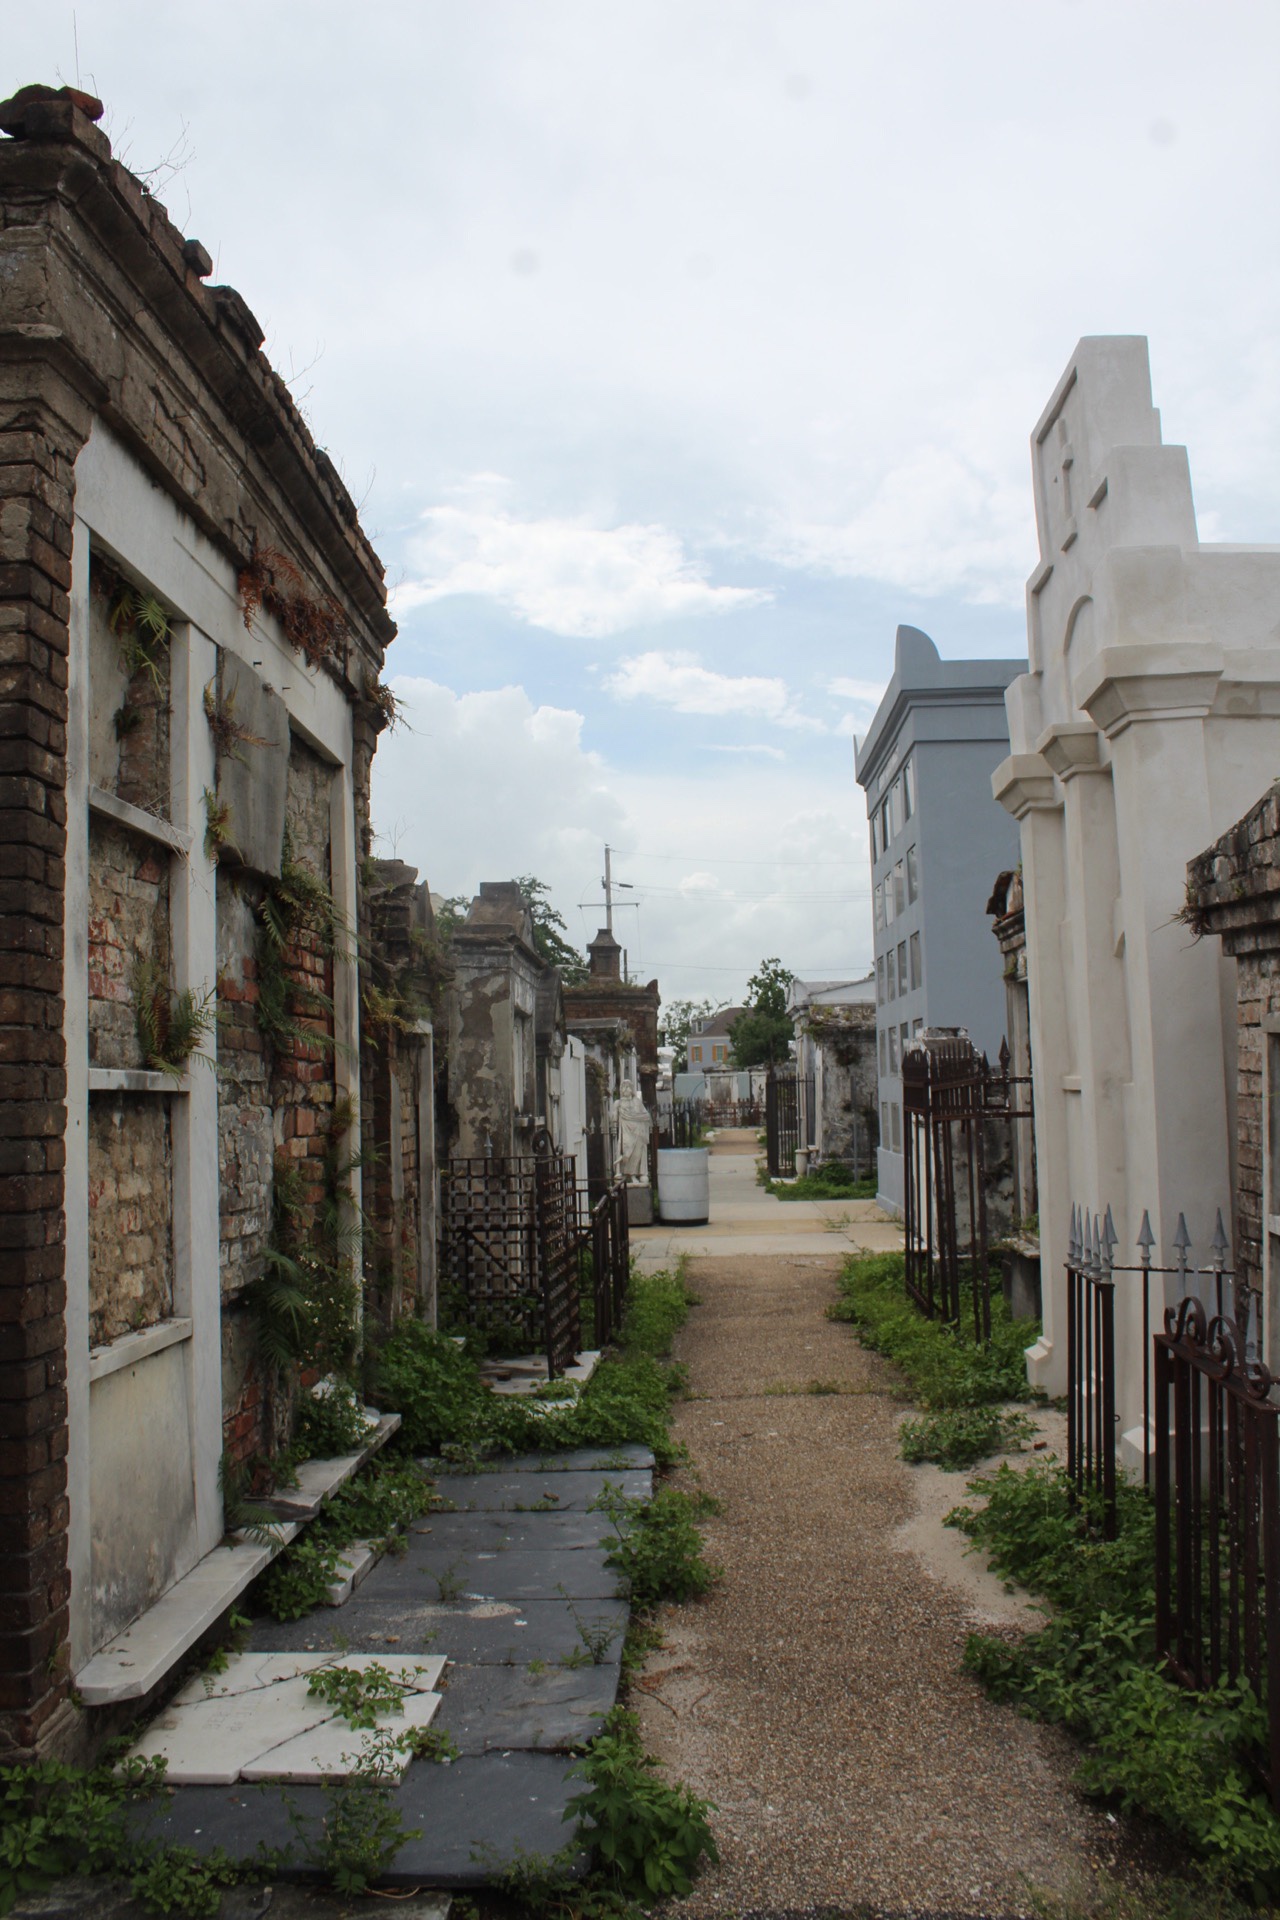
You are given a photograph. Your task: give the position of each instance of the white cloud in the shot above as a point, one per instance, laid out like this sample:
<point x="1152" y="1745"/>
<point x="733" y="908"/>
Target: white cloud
<point x="680" y="681"/>
<point x="766" y="753"/>
<point x="565" y="575"/>
<point x="722" y="869"/>
<point x="488" y="785"/>
<point x="936" y="524"/>
<point x="864" y="693"/>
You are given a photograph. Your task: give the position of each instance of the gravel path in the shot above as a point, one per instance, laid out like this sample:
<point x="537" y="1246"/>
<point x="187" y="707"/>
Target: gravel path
<point x="816" y="1695"/>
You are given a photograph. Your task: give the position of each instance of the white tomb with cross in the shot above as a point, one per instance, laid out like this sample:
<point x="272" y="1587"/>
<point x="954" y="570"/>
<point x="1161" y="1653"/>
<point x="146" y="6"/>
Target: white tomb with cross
<point x="1148" y="722"/>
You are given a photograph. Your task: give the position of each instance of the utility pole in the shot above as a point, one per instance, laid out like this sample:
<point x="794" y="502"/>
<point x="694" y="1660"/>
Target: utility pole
<point x="608" y="891"/>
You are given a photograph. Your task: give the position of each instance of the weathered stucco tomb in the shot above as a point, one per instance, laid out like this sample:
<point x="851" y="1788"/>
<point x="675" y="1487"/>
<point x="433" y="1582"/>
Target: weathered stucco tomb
<point x="835" y="1029"/>
<point x="192" y="628"/>
<point x="1146" y="724"/>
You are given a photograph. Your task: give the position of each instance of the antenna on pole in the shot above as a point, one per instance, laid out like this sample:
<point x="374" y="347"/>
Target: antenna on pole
<point x="608" y="890"/>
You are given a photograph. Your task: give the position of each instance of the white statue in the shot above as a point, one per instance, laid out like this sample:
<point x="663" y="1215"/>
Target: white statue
<point x="634" y="1129"/>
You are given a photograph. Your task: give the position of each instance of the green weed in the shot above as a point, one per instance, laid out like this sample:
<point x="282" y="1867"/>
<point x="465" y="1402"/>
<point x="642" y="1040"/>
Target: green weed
<point x="658" y="1549"/>
<point x="650" y="1837"/>
<point x="57" y="1819"/>
<point x="958" y="1437"/>
<point x="945" y="1366"/>
<point x="1188" y="1759"/>
<point x="832" y="1182"/>
<point x="377" y="1504"/>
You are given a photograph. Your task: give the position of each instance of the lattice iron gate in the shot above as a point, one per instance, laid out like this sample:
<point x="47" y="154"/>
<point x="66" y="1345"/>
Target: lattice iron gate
<point x="788" y="1099"/>
<point x="509" y="1251"/>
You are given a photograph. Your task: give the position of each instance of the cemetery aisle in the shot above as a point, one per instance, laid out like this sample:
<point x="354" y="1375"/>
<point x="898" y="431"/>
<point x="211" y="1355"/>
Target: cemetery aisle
<point x="816" y="1695"/>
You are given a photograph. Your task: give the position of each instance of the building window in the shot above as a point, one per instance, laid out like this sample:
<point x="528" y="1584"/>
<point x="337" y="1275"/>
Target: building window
<point x="913" y="874"/>
<point x="875" y="851"/>
<point x="917" y="971"/>
<point x="895" y="1126"/>
<point x="899" y="891"/>
<point x="880" y="981"/>
<point x="908" y="797"/>
<point x="884" y="1123"/>
<point x="916" y="1025"/>
<point x="884" y="1051"/>
<point x="893" y="1050"/>
<point x="906" y="1035"/>
<point x="891" y="985"/>
<point x="902" y="967"/>
<point x="884" y="826"/>
<point x="717" y="1053"/>
<point x="878" y="897"/>
<point x="887" y="885"/>
<point x="895" y="806"/>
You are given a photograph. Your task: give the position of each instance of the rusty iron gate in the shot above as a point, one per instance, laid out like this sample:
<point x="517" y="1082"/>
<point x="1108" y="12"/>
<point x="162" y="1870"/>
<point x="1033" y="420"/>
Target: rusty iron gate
<point x="787" y="1100"/>
<point x="1217" y="1475"/>
<point x="950" y="1097"/>
<point x="610" y="1263"/>
<point x="509" y="1251"/>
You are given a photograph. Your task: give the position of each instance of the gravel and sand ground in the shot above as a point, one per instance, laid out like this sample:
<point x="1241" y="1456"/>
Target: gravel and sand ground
<point x="816" y="1695"/>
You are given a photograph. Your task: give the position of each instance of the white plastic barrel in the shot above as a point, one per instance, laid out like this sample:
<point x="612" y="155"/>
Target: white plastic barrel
<point x="684" y="1185"/>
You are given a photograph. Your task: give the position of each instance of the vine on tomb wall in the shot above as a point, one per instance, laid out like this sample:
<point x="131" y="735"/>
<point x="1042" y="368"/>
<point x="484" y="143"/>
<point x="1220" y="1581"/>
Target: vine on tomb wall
<point x="314" y="623"/>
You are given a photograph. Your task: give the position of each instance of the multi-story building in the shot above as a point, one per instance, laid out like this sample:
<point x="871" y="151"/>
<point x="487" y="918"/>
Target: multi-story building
<point x="710" y="1044"/>
<point x="925" y="765"/>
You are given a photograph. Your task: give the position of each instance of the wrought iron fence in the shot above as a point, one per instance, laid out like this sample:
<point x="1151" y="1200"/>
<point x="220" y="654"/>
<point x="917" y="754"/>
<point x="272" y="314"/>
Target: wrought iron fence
<point x="951" y="1096"/>
<point x="1211" y="1444"/>
<point x="1217" y="1460"/>
<point x="680" y="1124"/>
<point x="733" y="1113"/>
<point x="1092" y="1271"/>
<point x="1091" y="1363"/>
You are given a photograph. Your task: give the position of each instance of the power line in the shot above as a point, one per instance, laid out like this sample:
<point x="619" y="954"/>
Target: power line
<point x="733" y="861"/>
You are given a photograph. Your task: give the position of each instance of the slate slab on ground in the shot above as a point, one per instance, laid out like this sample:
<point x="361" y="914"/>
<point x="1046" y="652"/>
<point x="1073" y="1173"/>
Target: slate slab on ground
<point x="511" y="1585"/>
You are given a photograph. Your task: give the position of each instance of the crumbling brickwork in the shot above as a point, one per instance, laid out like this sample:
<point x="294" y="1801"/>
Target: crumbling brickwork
<point x="130" y="1214"/>
<point x="1233" y="891"/>
<point x="43" y="423"/>
<point x="109" y="333"/>
<point x="128" y="921"/>
<point x="129" y="748"/>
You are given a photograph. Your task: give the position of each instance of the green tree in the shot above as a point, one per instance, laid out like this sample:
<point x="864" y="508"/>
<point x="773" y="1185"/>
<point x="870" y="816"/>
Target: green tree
<point x="761" y="1037"/>
<point x="450" y="914"/>
<point x="678" y="1020"/>
<point x="549" y="932"/>
<point x="548" y="927"/>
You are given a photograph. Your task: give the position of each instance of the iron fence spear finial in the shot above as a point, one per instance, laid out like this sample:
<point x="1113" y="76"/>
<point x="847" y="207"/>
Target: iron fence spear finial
<point x="1182" y="1242"/>
<point x="1146" y="1239"/>
<point x="1219" y="1244"/>
<point x="1073" y="1236"/>
<point x="1110" y="1239"/>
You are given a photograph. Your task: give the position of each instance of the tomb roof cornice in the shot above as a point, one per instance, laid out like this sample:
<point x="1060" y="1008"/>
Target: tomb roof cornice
<point x="1072" y="747"/>
<point x="101" y="282"/>
<point x="1024" y="783"/>
<point x="1160" y="680"/>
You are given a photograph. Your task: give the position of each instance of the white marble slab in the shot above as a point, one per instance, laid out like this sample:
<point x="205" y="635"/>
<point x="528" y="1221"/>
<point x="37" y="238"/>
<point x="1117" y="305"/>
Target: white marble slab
<point x="257" y="1720"/>
<point x="334" y="1749"/>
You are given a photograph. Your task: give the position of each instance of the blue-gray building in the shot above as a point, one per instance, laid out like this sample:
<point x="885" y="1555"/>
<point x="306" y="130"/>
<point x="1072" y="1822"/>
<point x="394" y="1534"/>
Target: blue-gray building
<point x="938" y="840"/>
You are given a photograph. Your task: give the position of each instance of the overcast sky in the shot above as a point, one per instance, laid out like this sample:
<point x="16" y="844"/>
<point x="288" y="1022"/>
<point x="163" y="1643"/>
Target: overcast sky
<point x="677" y="352"/>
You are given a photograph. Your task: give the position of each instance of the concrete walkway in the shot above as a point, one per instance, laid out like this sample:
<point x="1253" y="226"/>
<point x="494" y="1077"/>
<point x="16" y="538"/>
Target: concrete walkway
<point x="817" y="1695"/>
<point x="747" y="1220"/>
